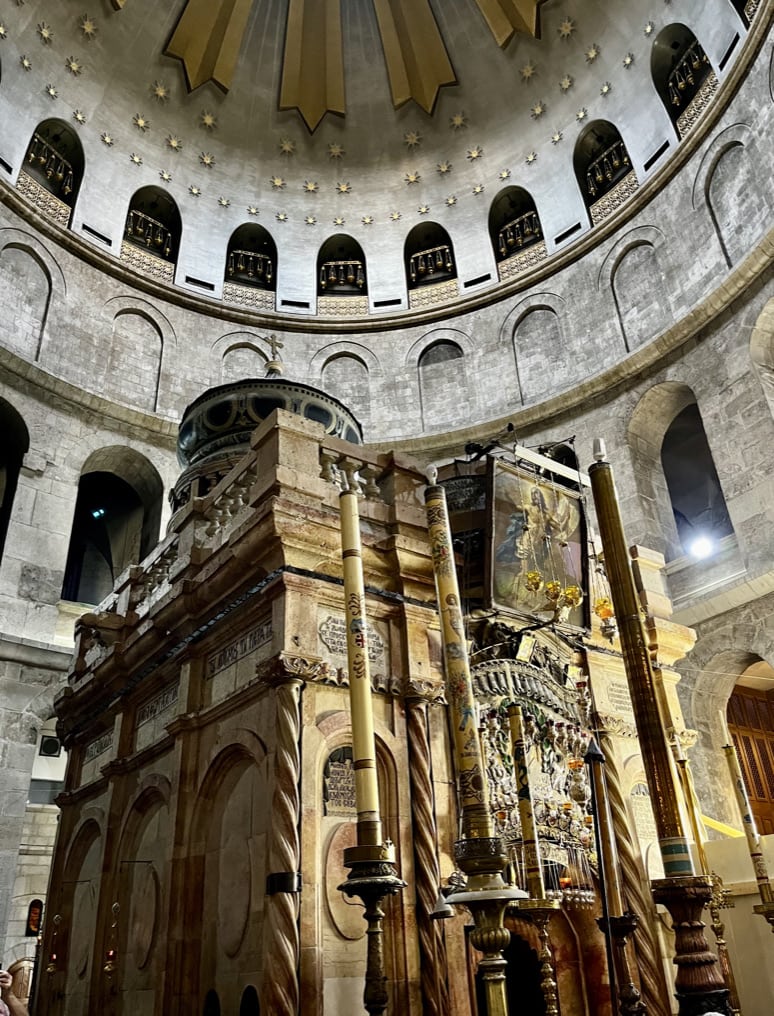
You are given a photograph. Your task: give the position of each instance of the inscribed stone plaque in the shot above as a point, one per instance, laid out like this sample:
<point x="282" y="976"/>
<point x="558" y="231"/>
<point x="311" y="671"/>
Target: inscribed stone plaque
<point x="339" y="783"/>
<point x="332" y="645"/>
<point x="250" y="642"/>
<point x="647" y="834"/>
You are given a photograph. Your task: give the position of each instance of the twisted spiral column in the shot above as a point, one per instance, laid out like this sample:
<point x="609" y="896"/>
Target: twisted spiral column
<point x="280" y="994"/>
<point x="432" y="943"/>
<point x="655" y="991"/>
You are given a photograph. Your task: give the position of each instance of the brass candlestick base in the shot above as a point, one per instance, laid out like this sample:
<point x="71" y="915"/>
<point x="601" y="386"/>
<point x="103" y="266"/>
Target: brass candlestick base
<point x="620" y="930"/>
<point x="540" y="913"/>
<point x="372" y="876"/>
<point x="486" y="896"/>
<point x="699" y="986"/>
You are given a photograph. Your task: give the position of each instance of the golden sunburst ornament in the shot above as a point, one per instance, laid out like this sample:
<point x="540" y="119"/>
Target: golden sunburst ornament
<point x="107" y="139"/>
<point x="444" y="167"/>
<point x="566" y="83"/>
<point x="88" y="26"/>
<point x="649" y="28"/>
<point x="208" y="120"/>
<point x="628" y="60"/>
<point x="160" y="91"/>
<point x="335" y="150"/>
<point x="207" y="159"/>
<point x="451" y="200"/>
<point x="478" y="189"/>
<point x="25" y="61"/>
<point x="528" y="71"/>
<point x="3" y="32"/>
<point x="344" y="187"/>
<point x="413" y="177"/>
<point x="165" y="175"/>
<point x="475" y="153"/>
<point x="423" y="209"/>
<point x="581" y="114"/>
<point x="45" y="33"/>
<point x="310" y="220"/>
<point x="281" y="216"/>
<point x="224" y="202"/>
<point x="338" y="220"/>
<point x="367" y="220"/>
<point x="458" y="121"/>
<point x="194" y="191"/>
<point x="412" y="139"/>
<point x="252" y="209"/>
<point x="606" y="88"/>
<point x="566" y="28"/>
<point x="141" y="122"/>
<point x="395" y="216"/>
<point x="537" y="110"/>
<point x="277" y="182"/>
<point x="311" y="186"/>
<point x="505" y="174"/>
<point x="174" y="142"/>
<point x="79" y="116"/>
<point x="52" y="91"/>
<point x="592" y="53"/>
<point x="531" y="157"/>
<point x="286" y="146"/>
<point x="135" y="159"/>
<point x="556" y="137"/>
<point x="74" y="65"/>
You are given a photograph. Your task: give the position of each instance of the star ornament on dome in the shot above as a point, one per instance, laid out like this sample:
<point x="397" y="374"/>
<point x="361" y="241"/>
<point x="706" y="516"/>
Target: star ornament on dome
<point x="252" y="209"/>
<point x="528" y="71"/>
<point x="45" y="33"/>
<point x="537" y="110"/>
<point x="581" y="114"/>
<point x="174" y="142"/>
<point x="367" y="220"/>
<point x="566" y="28"/>
<point x="556" y="137"/>
<point x="451" y="200"/>
<point x="478" y="189"/>
<point x="505" y="174"/>
<point x="79" y="116"/>
<point x="310" y="220"/>
<point x="207" y="159"/>
<point x="224" y="202"/>
<point x="135" y="159"/>
<point x="531" y="158"/>
<point x="475" y="153"/>
<point x="208" y="120"/>
<point x="566" y="83"/>
<point x="141" y="122"/>
<point x="107" y="139"/>
<point x="165" y="175"/>
<point x="194" y="191"/>
<point x="277" y="182"/>
<point x="52" y="91"/>
<point x="458" y="121"/>
<point x="649" y="28"/>
<point x="395" y="216"/>
<point x="338" y="220"/>
<point x="592" y="53"/>
<point x="335" y="150"/>
<point x="74" y="66"/>
<point x="423" y="209"/>
<point x="606" y="88"/>
<point x="3" y="31"/>
<point x="344" y="187"/>
<point x="88" y="26"/>
<point x="628" y="60"/>
<point x="281" y="216"/>
<point x="286" y="146"/>
<point x="413" y="177"/>
<point x="311" y="186"/>
<point x="412" y="139"/>
<point x="25" y="61"/>
<point x="444" y="167"/>
<point x="159" y="91"/>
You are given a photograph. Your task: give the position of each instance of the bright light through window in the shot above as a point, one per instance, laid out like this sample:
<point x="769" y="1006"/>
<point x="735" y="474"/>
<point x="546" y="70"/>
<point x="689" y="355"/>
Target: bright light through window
<point x="702" y="547"/>
<point x="97" y="513"/>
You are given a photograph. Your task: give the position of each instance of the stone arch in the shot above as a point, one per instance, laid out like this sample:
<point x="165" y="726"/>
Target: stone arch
<point x="762" y="351"/>
<point x="538" y="339"/>
<point x="52" y="170"/>
<point x="247" y="351"/>
<point x="32" y="281"/>
<point x="346" y="377"/>
<point x="142" y="340"/>
<point x="634" y="273"/>
<point x="439" y="358"/>
<point x="725" y="182"/>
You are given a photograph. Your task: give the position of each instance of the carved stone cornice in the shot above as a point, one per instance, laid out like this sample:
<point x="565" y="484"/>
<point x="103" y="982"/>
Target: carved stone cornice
<point x="616" y="725"/>
<point x="422" y="688"/>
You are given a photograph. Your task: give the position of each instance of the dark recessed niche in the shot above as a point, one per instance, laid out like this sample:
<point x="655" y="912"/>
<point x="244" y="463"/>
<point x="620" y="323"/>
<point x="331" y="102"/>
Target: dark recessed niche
<point x="387" y="303"/>
<point x="6" y="167"/>
<point x="96" y="234"/>
<point x="727" y="55"/>
<point x="567" y="233"/>
<point x="656" y="156"/>
<point x="295" y="303"/>
<point x="199" y="282"/>
<point x="478" y="279"/>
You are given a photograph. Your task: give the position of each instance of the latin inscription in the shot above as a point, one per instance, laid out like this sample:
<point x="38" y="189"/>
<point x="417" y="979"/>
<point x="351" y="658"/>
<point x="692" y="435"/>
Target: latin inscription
<point x="339" y="783"/>
<point x="160" y="704"/>
<point x="235" y="651"/>
<point x="619" y="698"/>
<point x="333" y="635"/>
<point x="98" y="747"/>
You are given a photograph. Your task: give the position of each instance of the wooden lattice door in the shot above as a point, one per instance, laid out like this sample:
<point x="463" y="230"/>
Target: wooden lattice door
<point x="751" y="722"/>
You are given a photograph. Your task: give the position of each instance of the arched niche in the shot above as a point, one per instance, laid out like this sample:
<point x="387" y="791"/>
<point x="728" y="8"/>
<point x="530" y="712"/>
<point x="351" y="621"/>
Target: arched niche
<point x="152" y="233"/>
<point x="74" y="942"/>
<point x="13" y="447"/>
<point x="515" y="231"/>
<point x="134" y="362"/>
<point x="341" y="268"/>
<point x="603" y="169"/>
<point x="116" y="522"/>
<point x="537" y="340"/>
<point x="242" y="360"/>
<point x="442" y="383"/>
<point x="346" y="377"/>
<point x="53" y="169"/>
<point x="211" y="1006"/>
<point x="248" y="1005"/>
<point x="429" y="256"/>
<point x="696" y="497"/>
<point x="680" y="68"/>
<point x="251" y="258"/>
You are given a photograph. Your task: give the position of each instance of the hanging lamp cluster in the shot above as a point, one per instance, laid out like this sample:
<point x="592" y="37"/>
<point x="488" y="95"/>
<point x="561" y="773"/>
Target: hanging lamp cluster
<point x="607" y="168"/>
<point x="145" y="231"/>
<point x="688" y="74"/>
<point x="342" y="276"/>
<point x="519" y="232"/>
<point x="434" y="261"/>
<point x="250" y="268"/>
<point x="53" y="164"/>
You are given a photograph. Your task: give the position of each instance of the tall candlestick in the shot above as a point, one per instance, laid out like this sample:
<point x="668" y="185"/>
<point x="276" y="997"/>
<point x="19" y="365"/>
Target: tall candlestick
<point x="532" y="859"/>
<point x="369" y="826"/>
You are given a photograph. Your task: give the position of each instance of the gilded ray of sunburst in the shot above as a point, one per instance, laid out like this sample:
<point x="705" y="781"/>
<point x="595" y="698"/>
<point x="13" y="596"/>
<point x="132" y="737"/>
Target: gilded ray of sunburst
<point x="141" y="122"/>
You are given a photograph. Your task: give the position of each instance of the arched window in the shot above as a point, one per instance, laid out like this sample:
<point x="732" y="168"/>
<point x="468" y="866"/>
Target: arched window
<point x="682" y="75"/>
<point x="341" y="274"/>
<point x="152" y="233"/>
<point x="115" y="524"/>
<point x="249" y="1004"/>
<point x="515" y="231"/>
<point x="429" y="262"/>
<point x="53" y="169"/>
<point x="251" y="264"/>
<point x="698" y="504"/>
<point x="211" y="1004"/>
<point x="603" y="169"/>
<point x="13" y="447"/>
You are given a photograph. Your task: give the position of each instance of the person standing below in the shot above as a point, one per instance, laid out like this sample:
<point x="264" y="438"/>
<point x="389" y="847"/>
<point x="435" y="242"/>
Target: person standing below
<point x="10" y="1005"/>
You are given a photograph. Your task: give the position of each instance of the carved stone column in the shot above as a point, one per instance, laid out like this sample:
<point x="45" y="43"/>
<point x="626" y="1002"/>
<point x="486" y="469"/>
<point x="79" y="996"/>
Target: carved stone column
<point x="432" y="942"/>
<point x="280" y="989"/>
